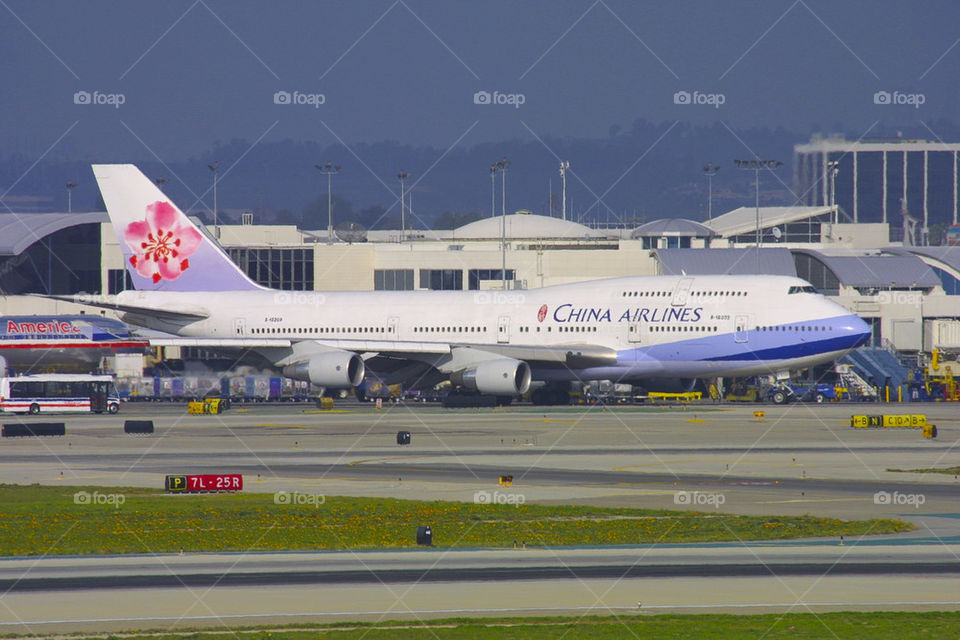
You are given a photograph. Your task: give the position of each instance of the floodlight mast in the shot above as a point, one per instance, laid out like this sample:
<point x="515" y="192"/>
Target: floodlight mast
<point x="710" y="170"/>
<point x="402" y="176"/>
<point x="501" y="168"/>
<point x="563" y="179"/>
<point x="70" y="185"/>
<point x="755" y="165"/>
<point x="215" y="167"/>
<point x="329" y="170"/>
<point x="833" y="168"/>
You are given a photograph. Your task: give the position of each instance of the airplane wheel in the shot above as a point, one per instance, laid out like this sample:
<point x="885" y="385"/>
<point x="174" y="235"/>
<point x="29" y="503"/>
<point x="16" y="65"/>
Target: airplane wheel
<point x="34" y="408"/>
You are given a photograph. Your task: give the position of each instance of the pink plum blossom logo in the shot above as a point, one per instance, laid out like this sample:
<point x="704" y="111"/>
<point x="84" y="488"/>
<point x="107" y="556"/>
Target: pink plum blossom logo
<point x="161" y="243"/>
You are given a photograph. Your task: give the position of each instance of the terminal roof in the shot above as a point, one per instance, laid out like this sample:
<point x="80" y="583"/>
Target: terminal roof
<point x="20" y="230"/>
<point x="777" y="261"/>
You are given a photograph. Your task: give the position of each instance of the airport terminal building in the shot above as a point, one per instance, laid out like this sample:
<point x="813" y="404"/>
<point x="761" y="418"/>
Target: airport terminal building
<point x="898" y="181"/>
<point x="909" y="294"/>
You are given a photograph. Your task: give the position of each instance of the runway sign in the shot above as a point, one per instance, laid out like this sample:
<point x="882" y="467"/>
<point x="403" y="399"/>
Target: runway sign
<point x="911" y="420"/>
<point x="204" y="483"/>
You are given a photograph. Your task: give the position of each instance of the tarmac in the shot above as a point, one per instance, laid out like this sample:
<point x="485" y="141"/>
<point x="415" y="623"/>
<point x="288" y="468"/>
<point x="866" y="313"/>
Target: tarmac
<point x="793" y="459"/>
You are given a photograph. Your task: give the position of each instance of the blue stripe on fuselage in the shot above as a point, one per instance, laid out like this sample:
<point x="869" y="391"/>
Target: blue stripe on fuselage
<point x="783" y="342"/>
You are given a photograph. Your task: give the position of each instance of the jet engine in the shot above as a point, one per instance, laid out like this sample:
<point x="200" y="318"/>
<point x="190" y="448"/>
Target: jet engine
<point x="504" y="377"/>
<point x="332" y="370"/>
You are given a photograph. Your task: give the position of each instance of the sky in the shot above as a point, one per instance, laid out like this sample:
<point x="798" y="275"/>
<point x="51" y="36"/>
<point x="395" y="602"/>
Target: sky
<point x="137" y="81"/>
<point x="195" y="72"/>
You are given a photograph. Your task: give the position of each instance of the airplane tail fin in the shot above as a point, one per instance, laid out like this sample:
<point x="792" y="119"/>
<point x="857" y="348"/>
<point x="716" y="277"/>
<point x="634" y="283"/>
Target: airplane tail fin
<point x="162" y="249"/>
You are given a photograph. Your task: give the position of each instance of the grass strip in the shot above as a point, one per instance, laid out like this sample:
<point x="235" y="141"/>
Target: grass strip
<point x="876" y="625"/>
<point x="945" y="470"/>
<point x="45" y="520"/>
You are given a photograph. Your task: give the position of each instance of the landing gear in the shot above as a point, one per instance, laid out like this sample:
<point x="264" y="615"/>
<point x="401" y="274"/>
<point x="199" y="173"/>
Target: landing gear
<point x="550" y="396"/>
<point x="460" y="398"/>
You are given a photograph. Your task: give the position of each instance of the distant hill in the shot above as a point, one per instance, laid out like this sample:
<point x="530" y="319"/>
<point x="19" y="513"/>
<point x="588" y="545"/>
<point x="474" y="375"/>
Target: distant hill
<point x="650" y="171"/>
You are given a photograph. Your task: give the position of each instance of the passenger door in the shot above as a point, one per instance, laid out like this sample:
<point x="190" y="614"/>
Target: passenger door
<point x="503" y="330"/>
<point x="682" y="291"/>
<point x="741" y="325"/>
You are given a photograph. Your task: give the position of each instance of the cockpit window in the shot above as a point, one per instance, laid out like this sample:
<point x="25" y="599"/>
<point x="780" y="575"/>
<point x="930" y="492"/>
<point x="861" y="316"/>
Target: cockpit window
<point x="806" y="289"/>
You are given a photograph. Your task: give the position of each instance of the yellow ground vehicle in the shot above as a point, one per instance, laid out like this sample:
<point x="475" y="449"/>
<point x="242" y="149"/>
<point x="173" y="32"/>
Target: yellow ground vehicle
<point x="208" y="406"/>
<point x="940" y="378"/>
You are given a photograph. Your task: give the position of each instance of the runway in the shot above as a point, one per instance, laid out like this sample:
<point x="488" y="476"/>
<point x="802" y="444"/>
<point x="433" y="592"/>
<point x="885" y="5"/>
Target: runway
<point x="796" y="459"/>
<point x="186" y="590"/>
<point x="333" y="568"/>
<point x="793" y="460"/>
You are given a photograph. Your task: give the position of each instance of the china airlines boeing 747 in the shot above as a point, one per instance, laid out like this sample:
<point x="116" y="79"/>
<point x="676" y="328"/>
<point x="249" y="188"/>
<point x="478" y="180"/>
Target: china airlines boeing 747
<point x="629" y="329"/>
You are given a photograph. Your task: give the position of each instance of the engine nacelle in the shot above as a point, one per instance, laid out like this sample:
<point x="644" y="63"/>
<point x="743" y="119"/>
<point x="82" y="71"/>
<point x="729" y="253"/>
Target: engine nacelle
<point x="504" y="377"/>
<point x="332" y="370"/>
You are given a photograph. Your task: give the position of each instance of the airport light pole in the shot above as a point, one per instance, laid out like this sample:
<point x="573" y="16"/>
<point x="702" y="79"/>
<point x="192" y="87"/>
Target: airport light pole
<point x="710" y="170"/>
<point x="329" y="170"/>
<point x="833" y="168"/>
<point x="402" y="176"/>
<point x="70" y="185"/>
<point x="755" y="165"/>
<point x="502" y="166"/>
<point x="563" y="180"/>
<point x="493" y="190"/>
<point x="215" y="167"/>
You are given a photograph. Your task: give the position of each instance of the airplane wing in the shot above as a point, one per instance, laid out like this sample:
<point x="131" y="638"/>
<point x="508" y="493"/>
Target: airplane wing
<point x="108" y="302"/>
<point x="210" y="343"/>
<point x="573" y="355"/>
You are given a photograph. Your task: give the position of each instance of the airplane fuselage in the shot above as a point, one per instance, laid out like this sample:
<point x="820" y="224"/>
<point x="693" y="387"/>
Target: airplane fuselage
<point x="41" y="341"/>
<point x="685" y="326"/>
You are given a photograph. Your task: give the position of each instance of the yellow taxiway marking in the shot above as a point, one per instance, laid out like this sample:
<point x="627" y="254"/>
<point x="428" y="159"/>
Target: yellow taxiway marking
<point x="696" y="420"/>
<point x="642" y="466"/>
<point x="366" y="460"/>
<point x="282" y="426"/>
<point x="550" y="420"/>
<point x="631" y="484"/>
<point x="311" y="411"/>
<point x="356" y="462"/>
<point x="707" y="460"/>
<point x="811" y="500"/>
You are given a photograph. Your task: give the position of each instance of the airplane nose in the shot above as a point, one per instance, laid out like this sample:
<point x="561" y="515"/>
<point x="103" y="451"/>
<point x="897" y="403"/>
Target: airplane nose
<point x="857" y="330"/>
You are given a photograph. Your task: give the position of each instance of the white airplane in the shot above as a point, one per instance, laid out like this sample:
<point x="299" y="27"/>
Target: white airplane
<point x="631" y="329"/>
<point x="29" y="343"/>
